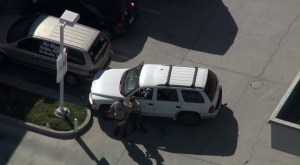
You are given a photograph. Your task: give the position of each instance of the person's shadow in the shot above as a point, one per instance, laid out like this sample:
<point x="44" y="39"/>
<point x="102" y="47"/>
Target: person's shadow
<point x="216" y="137"/>
<point x="136" y="154"/>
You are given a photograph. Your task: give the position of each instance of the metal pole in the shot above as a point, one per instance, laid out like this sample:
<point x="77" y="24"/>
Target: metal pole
<point x="61" y="50"/>
<point x="75" y="125"/>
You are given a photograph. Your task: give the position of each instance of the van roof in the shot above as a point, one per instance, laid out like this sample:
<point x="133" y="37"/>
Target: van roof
<point x="154" y="75"/>
<point x="48" y="27"/>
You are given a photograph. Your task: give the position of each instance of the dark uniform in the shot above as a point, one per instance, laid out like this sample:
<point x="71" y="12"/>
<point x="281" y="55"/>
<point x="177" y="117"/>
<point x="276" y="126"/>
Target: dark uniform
<point x="135" y="114"/>
<point x="120" y="112"/>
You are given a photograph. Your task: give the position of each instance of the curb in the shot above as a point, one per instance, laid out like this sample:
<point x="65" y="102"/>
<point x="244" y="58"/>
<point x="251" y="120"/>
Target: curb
<point x="38" y="89"/>
<point x="47" y="131"/>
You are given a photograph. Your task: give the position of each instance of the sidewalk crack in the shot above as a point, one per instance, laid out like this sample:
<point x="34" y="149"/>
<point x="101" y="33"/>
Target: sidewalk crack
<point x="278" y="45"/>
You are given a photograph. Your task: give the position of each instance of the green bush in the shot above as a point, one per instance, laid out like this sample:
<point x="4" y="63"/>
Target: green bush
<point x="36" y="109"/>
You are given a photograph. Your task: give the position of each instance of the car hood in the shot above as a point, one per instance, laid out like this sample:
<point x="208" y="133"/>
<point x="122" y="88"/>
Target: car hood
<point x="106" y="83"/>
<point x="6" y="22"/>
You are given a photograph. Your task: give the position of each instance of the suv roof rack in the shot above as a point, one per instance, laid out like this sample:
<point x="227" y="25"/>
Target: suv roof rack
<point x="194" y="78"/>
<point x="169" y="75"/>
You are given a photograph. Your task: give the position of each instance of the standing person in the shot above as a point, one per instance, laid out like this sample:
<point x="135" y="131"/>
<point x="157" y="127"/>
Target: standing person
<point x="120" y="112"/>
<point x="135" y="112"/>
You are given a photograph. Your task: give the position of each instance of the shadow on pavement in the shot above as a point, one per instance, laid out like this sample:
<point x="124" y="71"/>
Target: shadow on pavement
<point x="199" y="25"/>
<point x="10" y="138"/>
<point x="216" y="136"/>
<point x="102" y="161"/>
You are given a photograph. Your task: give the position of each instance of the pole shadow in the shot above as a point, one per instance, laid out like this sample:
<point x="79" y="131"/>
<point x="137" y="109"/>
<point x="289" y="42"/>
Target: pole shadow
<point x="102" y="161"/>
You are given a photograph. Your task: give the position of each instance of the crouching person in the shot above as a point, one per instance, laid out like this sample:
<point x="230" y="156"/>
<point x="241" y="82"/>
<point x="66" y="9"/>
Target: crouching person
<point x="120" y="112"/>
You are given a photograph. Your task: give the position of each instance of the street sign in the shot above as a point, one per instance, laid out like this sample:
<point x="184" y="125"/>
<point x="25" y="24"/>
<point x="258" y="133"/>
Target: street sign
<point x="61" y="66"/>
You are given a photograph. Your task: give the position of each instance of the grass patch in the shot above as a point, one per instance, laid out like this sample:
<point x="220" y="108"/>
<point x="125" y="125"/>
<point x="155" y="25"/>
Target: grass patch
<point x="37" y="109"/>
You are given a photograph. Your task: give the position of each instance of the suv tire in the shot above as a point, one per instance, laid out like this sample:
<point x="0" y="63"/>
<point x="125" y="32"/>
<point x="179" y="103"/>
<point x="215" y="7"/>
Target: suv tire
<point x="189" y="118"/>
<point x="104" y="111"/>
<point x="71" y="79"/>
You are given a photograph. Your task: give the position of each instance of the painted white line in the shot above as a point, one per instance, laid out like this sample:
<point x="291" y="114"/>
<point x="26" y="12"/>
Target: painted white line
<point x="150" y="10"/>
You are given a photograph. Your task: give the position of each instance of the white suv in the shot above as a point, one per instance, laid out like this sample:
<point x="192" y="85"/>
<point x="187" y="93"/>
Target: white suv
<point x="187" y="94"/>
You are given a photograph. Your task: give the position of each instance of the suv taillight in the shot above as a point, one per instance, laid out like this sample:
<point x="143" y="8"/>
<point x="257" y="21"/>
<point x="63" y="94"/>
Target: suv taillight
<point x="211" y="109"/>
<point x="132" y="5"/>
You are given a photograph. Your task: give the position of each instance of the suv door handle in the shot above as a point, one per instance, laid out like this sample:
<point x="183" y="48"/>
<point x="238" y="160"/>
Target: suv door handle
<point x="150" y="103"/>
<point x="178" y="106"/>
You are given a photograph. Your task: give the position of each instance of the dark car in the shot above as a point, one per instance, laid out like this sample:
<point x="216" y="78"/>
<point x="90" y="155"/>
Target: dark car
<point x="114" y="17"/>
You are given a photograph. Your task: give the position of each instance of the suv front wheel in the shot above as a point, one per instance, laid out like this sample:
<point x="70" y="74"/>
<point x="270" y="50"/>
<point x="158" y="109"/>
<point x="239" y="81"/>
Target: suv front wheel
<point x="189" y="118"/>
<point x="105" y="111"/>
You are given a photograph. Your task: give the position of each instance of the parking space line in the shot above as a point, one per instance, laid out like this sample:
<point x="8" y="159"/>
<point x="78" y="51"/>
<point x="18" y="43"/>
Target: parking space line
<point x="150" y="10"/>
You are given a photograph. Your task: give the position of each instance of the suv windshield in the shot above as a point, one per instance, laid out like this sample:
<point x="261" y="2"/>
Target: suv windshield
<point x="130" y="80"/>
<point x="211" y="85"/>
<point x="20" y="28"/>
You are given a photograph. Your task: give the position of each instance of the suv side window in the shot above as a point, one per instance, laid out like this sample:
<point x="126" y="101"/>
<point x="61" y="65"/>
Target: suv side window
<point x="75" y="57"/>
<point x="145" y="93"/>
<point x="164" y="94"/>
<point x="192" y="96"/>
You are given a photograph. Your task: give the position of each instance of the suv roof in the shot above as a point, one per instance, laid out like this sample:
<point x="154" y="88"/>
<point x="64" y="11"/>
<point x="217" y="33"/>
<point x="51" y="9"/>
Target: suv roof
<point x="168" y="75"/>
<point x="48" y="27"/>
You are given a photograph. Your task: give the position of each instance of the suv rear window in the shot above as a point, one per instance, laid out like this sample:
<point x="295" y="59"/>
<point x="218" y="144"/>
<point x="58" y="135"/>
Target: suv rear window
<point x="211" y="85"/>
<point x="98" y="48"/>
<point x="190" y="96"/>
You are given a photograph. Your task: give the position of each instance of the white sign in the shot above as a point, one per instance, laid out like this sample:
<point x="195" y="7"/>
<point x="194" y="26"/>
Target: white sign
<point x="49" y="49"/>
<point x="61" y="66"/>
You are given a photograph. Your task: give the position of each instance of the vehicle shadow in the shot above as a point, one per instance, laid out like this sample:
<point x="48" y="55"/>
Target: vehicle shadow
<point x="205" y="26"/>
<point x="216" y="136"/>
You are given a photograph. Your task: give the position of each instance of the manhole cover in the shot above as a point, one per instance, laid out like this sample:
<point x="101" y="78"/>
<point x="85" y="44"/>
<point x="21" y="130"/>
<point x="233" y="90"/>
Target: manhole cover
<point x="256" y="84"/>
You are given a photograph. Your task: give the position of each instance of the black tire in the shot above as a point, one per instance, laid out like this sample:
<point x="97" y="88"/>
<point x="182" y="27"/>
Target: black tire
<point x="190" y="119"/>
<point x="104" y="111"/>
<point x="71" y="79"/>
<point x="3" y="58"/>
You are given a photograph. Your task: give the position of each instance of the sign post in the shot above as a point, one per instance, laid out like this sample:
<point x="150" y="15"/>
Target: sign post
<point x="68" y="18"/>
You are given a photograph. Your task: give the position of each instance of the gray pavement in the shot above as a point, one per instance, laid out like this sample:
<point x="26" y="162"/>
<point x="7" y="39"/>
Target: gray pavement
<point x="242" y="41"/>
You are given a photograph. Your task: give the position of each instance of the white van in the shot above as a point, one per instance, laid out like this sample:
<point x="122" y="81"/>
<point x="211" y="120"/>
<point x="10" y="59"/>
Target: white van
<point x="34" y="41"/>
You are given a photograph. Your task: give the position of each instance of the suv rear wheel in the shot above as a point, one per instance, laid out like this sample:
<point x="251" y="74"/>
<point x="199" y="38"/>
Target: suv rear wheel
<point x="71" y="79"/>
<point x="189" y="118"/>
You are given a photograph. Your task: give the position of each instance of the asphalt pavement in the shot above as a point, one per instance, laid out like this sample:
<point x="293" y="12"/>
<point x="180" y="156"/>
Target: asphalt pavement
<point x="253" y="47"/>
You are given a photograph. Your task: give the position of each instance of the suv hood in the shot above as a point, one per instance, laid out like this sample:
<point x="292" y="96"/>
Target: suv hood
<point x="106" y="83"/>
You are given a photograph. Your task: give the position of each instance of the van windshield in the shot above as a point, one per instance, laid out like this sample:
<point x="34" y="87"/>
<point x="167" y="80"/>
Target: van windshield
<point x="20" y="28"/>
<point x="211" y="85"/>
<point x="98" y="48"/>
